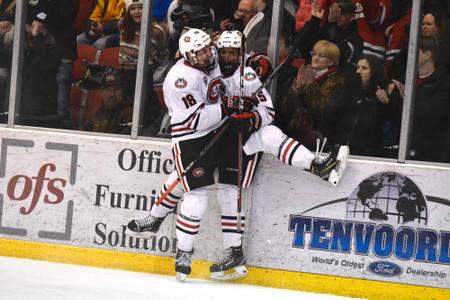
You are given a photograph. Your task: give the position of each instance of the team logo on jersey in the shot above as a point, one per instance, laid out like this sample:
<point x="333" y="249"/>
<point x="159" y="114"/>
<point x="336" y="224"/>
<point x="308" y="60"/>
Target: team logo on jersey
<point x="198" y="172"/>
<point x="216" y="88"/>
<point x="181" y="83"/>
<point x="187" y="39"/>
<point x="249" y="76"/>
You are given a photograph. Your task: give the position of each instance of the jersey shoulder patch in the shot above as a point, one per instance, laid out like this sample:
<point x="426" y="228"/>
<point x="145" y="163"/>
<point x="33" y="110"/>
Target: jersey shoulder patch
<point x="249" y="76"/>
<point x="181" y="83"/>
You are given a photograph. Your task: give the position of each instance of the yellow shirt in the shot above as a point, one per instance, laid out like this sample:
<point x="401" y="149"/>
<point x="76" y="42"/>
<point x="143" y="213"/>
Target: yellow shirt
<point x="113" y="12"/>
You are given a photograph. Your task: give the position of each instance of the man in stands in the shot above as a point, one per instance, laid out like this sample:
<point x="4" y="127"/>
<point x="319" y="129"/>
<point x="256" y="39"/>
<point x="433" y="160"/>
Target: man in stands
<point x="116" y="112"/>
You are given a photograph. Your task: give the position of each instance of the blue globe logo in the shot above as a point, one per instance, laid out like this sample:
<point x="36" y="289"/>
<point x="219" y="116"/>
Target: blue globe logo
<point x="388" y="197"/>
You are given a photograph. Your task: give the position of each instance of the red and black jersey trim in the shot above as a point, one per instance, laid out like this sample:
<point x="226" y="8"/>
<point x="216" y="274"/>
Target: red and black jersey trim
<point x="188" y="125"/>
<point x="229" y="224"/>
<point x="287" y="150"/>
<point x="271" y="112"/>
<point x="187" y="225"/>
<point x="171" y="200"/>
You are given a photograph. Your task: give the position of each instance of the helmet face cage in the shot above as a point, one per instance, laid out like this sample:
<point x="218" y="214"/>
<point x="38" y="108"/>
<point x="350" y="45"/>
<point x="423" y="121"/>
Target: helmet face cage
<point x="229" y="44"/>
<point x="205" y="58"/>
<point x="229" y="60"/>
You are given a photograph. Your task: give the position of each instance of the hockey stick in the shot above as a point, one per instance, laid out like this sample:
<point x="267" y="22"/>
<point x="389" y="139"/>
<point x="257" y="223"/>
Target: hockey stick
<point x="252" y="23"/>
<point x="192" y="163"/>
<point x="239" y="153"/>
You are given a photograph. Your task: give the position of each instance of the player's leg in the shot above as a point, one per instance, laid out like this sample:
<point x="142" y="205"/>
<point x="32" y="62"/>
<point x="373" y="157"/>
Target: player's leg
<point x="195" y="197"/>
<point x="187" y="226"/>
<point x="232" y="264"/>
<point x="233" y="258"/>
<point x="272" y="140"/>
<point x="146" y="227"/>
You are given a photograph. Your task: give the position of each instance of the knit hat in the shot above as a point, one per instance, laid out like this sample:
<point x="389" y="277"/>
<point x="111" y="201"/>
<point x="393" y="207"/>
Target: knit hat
<point x="347" y="7"/>
<point x="128" y="3"/>
<point x="41" y="17"/>
<point x="109" y="79"/>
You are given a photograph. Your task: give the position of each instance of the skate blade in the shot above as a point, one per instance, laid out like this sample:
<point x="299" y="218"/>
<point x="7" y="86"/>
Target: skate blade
<point x="235" y="273"/>
<point x="336" y="174"/>
<point x="181" y="277"/>
<point x="139" y="235"/>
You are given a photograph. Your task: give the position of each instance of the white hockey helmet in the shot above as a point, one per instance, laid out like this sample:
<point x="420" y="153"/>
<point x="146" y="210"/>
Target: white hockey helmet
<point x="230" y="39"/>
<point x="193" y="41"/>
<point x="229" y="45"/>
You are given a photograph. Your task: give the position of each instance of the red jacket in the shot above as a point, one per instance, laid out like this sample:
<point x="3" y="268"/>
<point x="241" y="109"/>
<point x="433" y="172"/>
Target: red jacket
<point x="304" y="13"/>
<point x="372" y="18"/>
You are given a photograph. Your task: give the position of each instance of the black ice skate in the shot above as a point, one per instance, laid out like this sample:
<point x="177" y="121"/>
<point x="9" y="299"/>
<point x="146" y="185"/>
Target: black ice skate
<point x="144" y="228"/>
<point x="231" y="266"/>
<point x="331" y="166"/>
<point x="183" y="262"/>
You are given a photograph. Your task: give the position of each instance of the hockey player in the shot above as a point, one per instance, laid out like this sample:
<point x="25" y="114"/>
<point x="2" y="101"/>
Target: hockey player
<point x="264" y="137"/>
<point x="193" y="90"/>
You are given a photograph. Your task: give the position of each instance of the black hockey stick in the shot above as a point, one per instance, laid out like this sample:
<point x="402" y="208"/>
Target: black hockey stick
<point x="192" y="163"/>
<point x="239" y="152"/>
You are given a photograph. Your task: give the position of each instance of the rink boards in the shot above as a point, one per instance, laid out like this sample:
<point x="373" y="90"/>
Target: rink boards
<point x="383" y="232"/>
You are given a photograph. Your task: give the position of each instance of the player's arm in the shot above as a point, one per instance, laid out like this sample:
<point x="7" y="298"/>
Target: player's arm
<point x="263" y="100"/>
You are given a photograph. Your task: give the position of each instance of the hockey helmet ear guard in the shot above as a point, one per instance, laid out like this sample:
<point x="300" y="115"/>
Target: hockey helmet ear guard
<point x="229" y="44"/>
<point x="194" y="40"/>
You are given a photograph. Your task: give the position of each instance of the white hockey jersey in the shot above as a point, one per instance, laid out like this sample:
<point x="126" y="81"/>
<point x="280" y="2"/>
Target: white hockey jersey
<point x="251" y="84"/>
<point x="193" y="99"/>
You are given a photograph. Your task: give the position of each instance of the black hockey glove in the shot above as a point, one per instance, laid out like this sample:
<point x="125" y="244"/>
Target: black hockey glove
<point x="231" y="104"/>
<point x="261" y="65"/>
<point x="246" y="122"/>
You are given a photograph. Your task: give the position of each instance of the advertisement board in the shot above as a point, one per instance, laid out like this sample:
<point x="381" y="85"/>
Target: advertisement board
<point x="383" y="222"/>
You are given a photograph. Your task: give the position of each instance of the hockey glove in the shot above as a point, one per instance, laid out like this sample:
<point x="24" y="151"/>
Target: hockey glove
<point x="231" y="104"/>
<point x="261" y="65"/>
<point x="246" y="122"/>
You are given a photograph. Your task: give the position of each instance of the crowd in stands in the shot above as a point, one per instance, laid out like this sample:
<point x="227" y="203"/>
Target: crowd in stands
<point x="345" y="80"/>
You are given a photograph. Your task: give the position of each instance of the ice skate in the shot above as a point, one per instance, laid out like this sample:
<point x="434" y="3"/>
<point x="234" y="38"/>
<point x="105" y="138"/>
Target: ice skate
<point x="183" y="262"/>
<point x="231" y="266"/>
<point x="331" y="166"/>
<point x="144" y="228"/>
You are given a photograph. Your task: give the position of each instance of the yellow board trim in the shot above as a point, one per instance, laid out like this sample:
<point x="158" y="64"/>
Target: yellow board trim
<point x="341" y="286"/>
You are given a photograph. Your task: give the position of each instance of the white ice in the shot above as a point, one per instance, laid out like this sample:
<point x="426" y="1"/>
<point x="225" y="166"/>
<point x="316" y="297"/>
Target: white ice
<point x="22" y="279"/>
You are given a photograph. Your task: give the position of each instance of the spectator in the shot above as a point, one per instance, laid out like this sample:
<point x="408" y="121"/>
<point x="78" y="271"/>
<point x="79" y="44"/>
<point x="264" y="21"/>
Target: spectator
<point x="342" y="30"/>
<point x="6" y="40"/>
<point x="313" y="94"/>
<point x="431" y="119"/>
<point x="372" y="17"/>
<point x="116" y="113"/>
<point x="304" y="12"/>
<point x="102" y="31"/>
<point x="189" y="14"/>
<point x="397" y="45"/>
<point x="62" y="16"/>
<point x="130" y="26"/>
<point x="372" y="104"/>
<point x="247" y="9"/>
<point x="173" y="5"/>
<point x="435" y="25"/>
<point x="258" y="36"/>
<point x="39" y="87"/>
